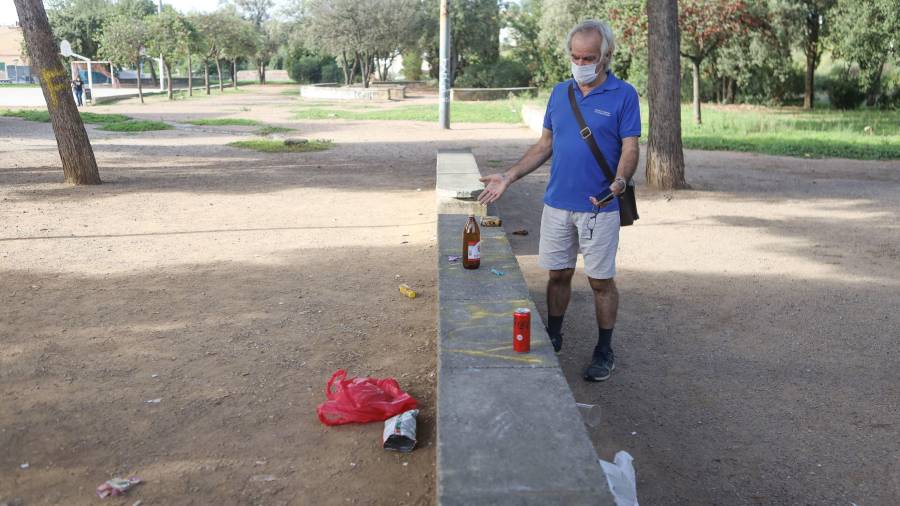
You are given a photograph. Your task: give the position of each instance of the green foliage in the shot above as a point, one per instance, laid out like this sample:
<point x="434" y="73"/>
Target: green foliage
<point x="522" y="21"/>
<point x="866" y="33"/>
<point x="845" y="90"/>
<point x="308" y="69"/>
<point x="474" y="35"/>
<point x="80" y="22"/>
<point x="505" y="73"/>
<point x="412" y="65"/>
<point x="276" y="146"/>
<point x="169" y="34"/>
<point x="122" y="40"/>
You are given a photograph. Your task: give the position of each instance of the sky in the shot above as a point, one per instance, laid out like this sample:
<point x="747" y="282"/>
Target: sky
<point x="8" y="14"/>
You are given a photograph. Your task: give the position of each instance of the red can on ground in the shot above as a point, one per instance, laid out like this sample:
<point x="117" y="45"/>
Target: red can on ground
<point x="522" y="330"/>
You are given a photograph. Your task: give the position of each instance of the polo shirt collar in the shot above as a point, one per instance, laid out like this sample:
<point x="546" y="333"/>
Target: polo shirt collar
<point x="612" y="82"/>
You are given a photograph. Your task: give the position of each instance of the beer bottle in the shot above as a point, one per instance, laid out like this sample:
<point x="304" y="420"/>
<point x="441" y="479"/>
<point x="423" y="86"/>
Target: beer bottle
<point x="471" y="256"/>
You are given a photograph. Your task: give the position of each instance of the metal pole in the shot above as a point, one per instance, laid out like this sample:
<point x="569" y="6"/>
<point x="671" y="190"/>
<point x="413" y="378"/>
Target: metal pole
<point x="444" y="76"/>
<point x="162" y="69"/>
<point x="91" y="79"/>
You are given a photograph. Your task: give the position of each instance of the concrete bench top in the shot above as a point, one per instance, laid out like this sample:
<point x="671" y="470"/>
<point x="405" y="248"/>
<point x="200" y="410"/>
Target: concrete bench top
<point x="508" y="430"/>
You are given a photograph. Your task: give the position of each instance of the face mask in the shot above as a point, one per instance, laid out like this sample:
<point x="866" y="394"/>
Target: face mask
<point x="584" y="74"/>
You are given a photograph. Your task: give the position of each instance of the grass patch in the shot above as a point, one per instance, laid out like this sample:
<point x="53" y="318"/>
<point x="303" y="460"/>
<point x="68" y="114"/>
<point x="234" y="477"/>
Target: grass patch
<point x="28" y="115"/>
<point x="499" y="111"/>
<point x="94" y="118"/>
<point x="225" y="122"/>
<point x="108" y="122"/>
<point x="135" y="125"/>
<point x="269" y="130"/>
<point x="821" y="133"/>
<point x="274" y="146"/>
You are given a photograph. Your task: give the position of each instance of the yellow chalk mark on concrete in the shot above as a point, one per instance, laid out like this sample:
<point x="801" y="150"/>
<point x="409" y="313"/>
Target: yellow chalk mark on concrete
<point x="482" y="353"/>
<point x="477" y="312"/>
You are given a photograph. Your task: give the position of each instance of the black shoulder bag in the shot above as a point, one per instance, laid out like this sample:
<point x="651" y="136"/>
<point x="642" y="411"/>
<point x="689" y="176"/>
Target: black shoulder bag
<point x="627" y="203"/>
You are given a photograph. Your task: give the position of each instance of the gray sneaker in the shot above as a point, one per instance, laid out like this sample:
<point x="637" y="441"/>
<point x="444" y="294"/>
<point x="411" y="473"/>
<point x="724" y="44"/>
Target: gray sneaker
<point x="602" y="365"/>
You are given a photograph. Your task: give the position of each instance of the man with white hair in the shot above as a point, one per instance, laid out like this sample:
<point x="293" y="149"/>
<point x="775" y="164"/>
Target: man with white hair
<point x="581" y="208"/>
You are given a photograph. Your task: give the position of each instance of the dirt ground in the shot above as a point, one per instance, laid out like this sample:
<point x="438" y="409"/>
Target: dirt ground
<point x="757" y="341"/>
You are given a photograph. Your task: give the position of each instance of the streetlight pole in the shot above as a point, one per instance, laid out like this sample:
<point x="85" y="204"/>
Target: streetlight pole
<point x="162" y="68"/>
<point x="444" y="76"/>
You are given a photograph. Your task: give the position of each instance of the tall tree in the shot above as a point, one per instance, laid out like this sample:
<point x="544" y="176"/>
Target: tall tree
<point x="665" y="158"/>
<point x="268" y="35"/>
<point x="809" y="19"/>
<point x="75" y="152"/>
<point x="169" y="35"/>
<point x="867" y="33"/>
<point x="212" y="29"/>
<point x="240" y="42"/>
<point x="474" y="34"/>
<point x="705" y="25"/>
<point x="123" y="41"/>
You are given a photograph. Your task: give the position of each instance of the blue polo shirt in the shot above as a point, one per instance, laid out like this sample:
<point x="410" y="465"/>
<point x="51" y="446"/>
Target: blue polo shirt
<point x="612" y="112"/>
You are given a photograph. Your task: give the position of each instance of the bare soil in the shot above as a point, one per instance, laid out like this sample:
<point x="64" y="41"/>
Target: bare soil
<point x="757" y="340"/>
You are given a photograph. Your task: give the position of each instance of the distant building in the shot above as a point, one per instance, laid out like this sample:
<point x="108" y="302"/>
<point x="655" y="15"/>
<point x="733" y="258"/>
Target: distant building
<point x="14" y="65"/>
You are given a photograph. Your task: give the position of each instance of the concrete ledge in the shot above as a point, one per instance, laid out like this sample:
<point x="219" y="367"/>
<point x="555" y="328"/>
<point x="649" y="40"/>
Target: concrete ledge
<point x="533" y="117"/>
<point x="333" y="91"/>
<point x="508" y="431"/>
<point x="472" y="94"/>
<point x="457" y="184"/>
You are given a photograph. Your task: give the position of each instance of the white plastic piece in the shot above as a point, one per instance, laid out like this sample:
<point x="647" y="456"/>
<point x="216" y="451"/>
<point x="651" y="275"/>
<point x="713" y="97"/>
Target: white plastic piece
<point x="621" y="478"/>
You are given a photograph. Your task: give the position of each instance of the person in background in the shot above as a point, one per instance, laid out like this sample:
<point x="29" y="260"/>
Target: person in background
<point x="78" y="87"/>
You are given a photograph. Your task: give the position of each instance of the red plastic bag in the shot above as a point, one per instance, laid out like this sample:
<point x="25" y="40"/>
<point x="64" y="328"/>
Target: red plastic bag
<point x="362" y="400"/>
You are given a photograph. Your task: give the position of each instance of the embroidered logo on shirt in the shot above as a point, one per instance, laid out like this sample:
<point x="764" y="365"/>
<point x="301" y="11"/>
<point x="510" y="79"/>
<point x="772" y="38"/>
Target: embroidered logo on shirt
<point x="602" y="112"/>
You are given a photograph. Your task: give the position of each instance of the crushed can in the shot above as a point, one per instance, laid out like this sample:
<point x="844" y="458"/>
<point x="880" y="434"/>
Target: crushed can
<point x="400" y="432"/>
<point x="522" y="330"/>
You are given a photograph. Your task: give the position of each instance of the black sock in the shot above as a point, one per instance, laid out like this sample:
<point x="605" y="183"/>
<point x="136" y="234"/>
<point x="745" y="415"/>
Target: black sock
<point x="604" y="342"/>
<point x="554" y="325"/>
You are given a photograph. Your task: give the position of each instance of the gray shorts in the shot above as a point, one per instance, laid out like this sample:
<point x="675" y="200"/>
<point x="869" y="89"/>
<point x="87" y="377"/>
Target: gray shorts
<point x="564" y="233"/>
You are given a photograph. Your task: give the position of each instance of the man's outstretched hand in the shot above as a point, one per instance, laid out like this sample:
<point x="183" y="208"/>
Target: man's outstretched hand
<point x="494" y="186"/>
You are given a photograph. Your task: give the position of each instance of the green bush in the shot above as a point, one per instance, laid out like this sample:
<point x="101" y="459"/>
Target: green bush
<point x="412" y="65"/>
<point x="890" y="90"/>
<point x="844" y="89"/>
<point x="306" y="69"/>
<point x="504" y="73"/>
<point x="330" y="73"/>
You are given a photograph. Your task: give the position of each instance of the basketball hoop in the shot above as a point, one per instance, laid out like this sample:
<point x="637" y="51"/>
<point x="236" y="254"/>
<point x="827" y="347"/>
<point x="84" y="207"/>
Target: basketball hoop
<point x="65" y="48"/>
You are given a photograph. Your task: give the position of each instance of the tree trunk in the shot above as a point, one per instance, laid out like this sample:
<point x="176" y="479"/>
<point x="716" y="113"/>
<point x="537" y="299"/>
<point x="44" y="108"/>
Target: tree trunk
<point x="730" y="91"/>
<point x="190" y="77"/>
<point x="261" y="72"/>
<point x="234" y="72"/>
<point x="168" y="72"/>
<point x="153" y="74"/>
<point x="219" y="74"/>
<point x="75" y="152"/>
<point x="206" y="74"/>
<point x="665" y="158"/>
<point x="812" y="59"/>
<point x="345" y="66"/>
<point x="695" y="75"/>
<point x="140" y="87"/>
<point x="874" y="90"/>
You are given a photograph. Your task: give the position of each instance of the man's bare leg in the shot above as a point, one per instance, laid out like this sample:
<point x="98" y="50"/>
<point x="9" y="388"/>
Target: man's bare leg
<point x="606" y="305"/>
<point x="559" y="292"/>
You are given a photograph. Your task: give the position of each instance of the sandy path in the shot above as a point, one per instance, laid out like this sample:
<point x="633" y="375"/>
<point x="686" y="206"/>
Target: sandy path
<point x="757" y="336"/>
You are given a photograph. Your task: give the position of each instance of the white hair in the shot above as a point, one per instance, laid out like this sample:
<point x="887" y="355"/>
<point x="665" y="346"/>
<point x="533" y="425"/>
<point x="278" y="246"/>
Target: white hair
<point x="607" y="38"/>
